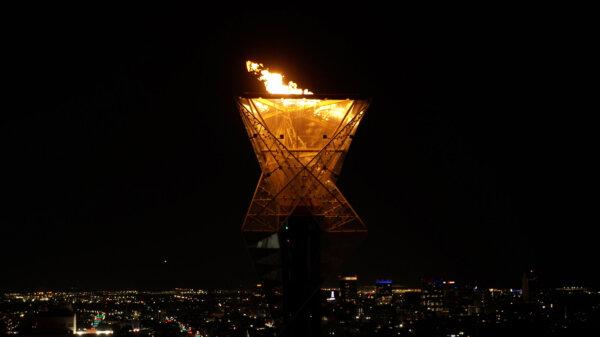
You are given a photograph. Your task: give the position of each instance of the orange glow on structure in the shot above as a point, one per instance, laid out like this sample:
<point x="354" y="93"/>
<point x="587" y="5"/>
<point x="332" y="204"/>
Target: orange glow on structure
<point x="300" y="143"/>
<point x="274" y="81"/>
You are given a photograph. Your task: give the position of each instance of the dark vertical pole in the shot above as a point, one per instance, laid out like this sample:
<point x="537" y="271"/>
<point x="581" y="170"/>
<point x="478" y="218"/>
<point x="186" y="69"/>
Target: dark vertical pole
<point x="301" y="275"/>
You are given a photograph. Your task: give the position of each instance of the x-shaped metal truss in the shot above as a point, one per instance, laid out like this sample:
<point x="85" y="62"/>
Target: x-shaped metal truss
<point x="292" y="177"/>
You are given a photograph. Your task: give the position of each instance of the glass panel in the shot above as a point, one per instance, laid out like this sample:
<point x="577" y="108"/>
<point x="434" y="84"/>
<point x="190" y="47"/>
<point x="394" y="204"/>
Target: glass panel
<point x="302" y="124"/>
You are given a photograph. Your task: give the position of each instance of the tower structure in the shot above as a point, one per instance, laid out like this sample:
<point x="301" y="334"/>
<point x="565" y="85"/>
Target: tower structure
<point x="300" y="143"/>
<point x="299" y="224"/>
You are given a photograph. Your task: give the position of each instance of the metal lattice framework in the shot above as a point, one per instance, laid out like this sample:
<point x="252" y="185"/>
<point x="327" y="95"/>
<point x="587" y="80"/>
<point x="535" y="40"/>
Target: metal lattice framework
<point x="300" y="144"/>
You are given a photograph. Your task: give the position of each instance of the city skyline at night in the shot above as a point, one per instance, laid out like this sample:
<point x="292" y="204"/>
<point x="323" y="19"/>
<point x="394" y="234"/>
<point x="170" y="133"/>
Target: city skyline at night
<point x="126" y="165"/>
<point x="437" y="307"/>
<point x="177" y="172"/>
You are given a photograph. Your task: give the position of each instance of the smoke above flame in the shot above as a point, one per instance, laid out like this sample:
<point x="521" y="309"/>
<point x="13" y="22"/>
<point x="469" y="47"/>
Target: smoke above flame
<point x="274" y="81"/>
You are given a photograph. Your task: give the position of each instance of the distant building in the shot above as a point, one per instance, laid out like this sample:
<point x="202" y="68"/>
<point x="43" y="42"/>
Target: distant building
<point x="445" y="297"/>
<point x="479" y="301"/>
<point x="349" y="288"/>
<point x="433" y="296"/>
<point x="531" y="286"/>
<point x="383" y="291"/>
<point x="55" y="321"/>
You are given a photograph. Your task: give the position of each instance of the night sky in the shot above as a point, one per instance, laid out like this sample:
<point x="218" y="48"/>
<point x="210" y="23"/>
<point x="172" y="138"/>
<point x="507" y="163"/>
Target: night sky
<point x="121" y="146"/>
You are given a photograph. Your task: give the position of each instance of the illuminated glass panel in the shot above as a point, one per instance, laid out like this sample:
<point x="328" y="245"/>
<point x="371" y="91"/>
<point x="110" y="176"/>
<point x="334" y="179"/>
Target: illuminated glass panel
<point x="300" y="144"/>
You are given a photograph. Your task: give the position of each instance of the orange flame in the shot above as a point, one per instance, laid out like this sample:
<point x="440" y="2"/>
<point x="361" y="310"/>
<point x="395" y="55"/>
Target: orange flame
<point x="274" y="81"/>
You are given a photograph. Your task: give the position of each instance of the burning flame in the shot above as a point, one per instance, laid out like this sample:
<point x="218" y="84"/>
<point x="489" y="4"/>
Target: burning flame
<point x="274" y="81"/>
<point x="331" y="110"/>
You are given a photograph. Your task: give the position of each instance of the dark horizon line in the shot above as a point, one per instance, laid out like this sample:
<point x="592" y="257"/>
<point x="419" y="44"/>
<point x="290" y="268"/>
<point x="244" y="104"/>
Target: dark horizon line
<point x="246" y="287"/>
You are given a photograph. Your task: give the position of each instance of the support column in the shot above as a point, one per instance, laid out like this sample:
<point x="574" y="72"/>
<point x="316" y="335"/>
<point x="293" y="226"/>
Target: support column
<point x="300" y="241"/>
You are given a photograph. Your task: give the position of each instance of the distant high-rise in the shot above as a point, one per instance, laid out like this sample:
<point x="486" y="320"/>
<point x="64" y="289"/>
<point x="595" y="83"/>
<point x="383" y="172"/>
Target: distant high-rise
<point x="349" y="288"/>
<point x="530" y="286"/>
<point x="445" y="297"/>
<point x="384" y="290"/>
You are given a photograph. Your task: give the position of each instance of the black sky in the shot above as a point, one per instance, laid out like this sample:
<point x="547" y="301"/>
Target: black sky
<point x="121" y="145"/>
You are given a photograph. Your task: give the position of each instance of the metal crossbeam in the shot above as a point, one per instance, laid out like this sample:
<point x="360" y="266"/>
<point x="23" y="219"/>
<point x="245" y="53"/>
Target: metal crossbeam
<point x="299" y="167"/>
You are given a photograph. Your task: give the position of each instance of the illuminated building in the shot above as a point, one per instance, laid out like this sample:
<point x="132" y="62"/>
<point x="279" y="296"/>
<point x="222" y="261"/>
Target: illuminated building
<point x="383" y="291"/>
<point x="299" y="225"/>
<point x="349" y="288"/>
<point x="448" y="298"/>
